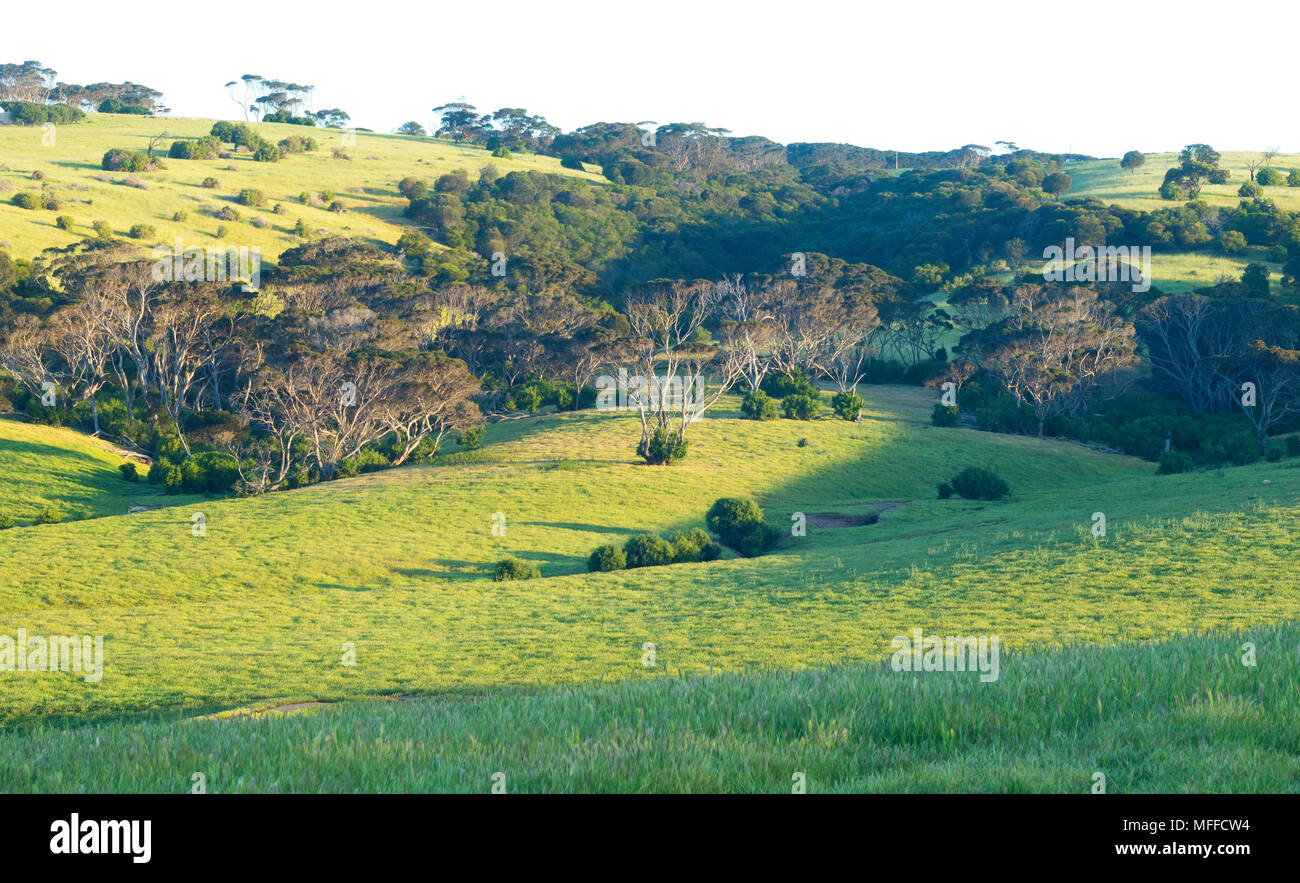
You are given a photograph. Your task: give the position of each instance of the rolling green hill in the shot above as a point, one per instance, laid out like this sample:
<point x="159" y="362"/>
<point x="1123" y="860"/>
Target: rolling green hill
<point x="365" y="182"/>
<point x="399" y="564"/>
<point x="1176" y="272"/>
<point x="43" y="466"/>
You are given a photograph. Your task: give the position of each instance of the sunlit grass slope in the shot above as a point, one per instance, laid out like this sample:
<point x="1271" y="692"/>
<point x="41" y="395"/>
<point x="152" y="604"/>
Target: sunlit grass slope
<point x="1184" y="715"/>
<point x="399" y="564"/>
<point x="45" y="466"/>
<point x="365" y="182"/>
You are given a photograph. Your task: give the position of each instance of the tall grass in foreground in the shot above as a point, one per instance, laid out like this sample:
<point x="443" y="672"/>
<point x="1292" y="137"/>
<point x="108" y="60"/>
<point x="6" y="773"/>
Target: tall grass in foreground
<point x="1183" y="715"/>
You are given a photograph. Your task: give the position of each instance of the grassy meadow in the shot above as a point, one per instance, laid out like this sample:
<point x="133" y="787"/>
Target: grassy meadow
<point x="398" y="564"/>
<point x="365" y="182"/>
<point x="1183" y="715"/>
<point x="44" y="466"/>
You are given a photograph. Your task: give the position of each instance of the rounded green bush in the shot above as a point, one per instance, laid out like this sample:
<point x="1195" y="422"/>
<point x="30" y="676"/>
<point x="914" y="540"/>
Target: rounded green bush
<point x="847" y="404"/>
<point x="129" y="472"/>
<point x="49" y="515"/>
<point x="758" y="405"/>
<point x="1174" y="462"/>
<point x="945" y="415"/>
<point x="513" y="569"/>
<point x="665" y="448"/>
<point x="974" y="483"/>
<point x="693" y="545"/>
<point x="800" y="407"/>
<point x="649" y="550"/>
<point x="606" y="558"/>
<point x="739" y="522"/>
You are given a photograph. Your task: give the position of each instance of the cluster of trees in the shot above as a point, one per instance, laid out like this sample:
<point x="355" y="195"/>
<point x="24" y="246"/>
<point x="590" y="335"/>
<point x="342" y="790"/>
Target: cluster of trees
<point x="1227" y="350"/>
<point x="189" y="369"/>
<point x="31" y="83"/>
<point x="280" y="101"/>
<point x="512" y="128"/>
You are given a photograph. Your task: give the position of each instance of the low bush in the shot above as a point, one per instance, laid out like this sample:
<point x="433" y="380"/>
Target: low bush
<point x="975" y="483"/>
<point x="509" y="569"/>
<point x="471" y="439"/>
<point x="607" y="558"/>
<point x="118" y="160"/>
<point x="847" y="405"/>
<point x="781" y="385"/>
<point x="945" y="415"/>
<point x="694" y="545"/>
<point x="49" y="515"/>
<point x="738" y="521"/>
<point x="648" y="550"/>
<point x="665" y="448"/>
<point x="129" y="472"/>
<point x="800" y="407"/>
<point x="1173" y="462"/>
<point x="758" y="405"/>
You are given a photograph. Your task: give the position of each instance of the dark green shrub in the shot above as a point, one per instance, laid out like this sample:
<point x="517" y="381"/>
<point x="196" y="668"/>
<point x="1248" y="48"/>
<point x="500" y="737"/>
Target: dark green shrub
<point x="648" y="550"/>
<point x="368" y="460"/>
<point x="64" y="222"/>
<point x="210" y="184"/>
<point x="606" y="558"/>
<point x="128" y="472"/>
<point x="206" y="147"/>
<point x="975" y="483"/>
<point x="30" y="113"/>
<point x="118" y="160"/>
<point x="471" y="439"/>
<point x="1293" y="445"/>
<point x="739" y="522"/>
<point x="7" y="521"/>
<point x="758" y="405"/>
<point x="250" y="197"/>
<point x="117" y="105"/>
<point x="514" y="569"/>
<point x="945" y="491"/>
<point x="28" y="200"/>
<point x="665" y="448"/>
<point x="571" y="162"/>
<point x="267" y="153"/>
<point x="1173" y="462"/>
<point x="781" y="385"/>
<point x="847" y="404"/>
<point x="945" y="415"/>
<point x="142" y="231"/>
<point x="800" y="407"/>
<point x="694" y="545"/>
<point x="1269" y="177"/>
<point x="49" y="515"/>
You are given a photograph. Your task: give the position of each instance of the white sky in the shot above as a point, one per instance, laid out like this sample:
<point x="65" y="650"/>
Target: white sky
<point x="1098" y="78"/>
